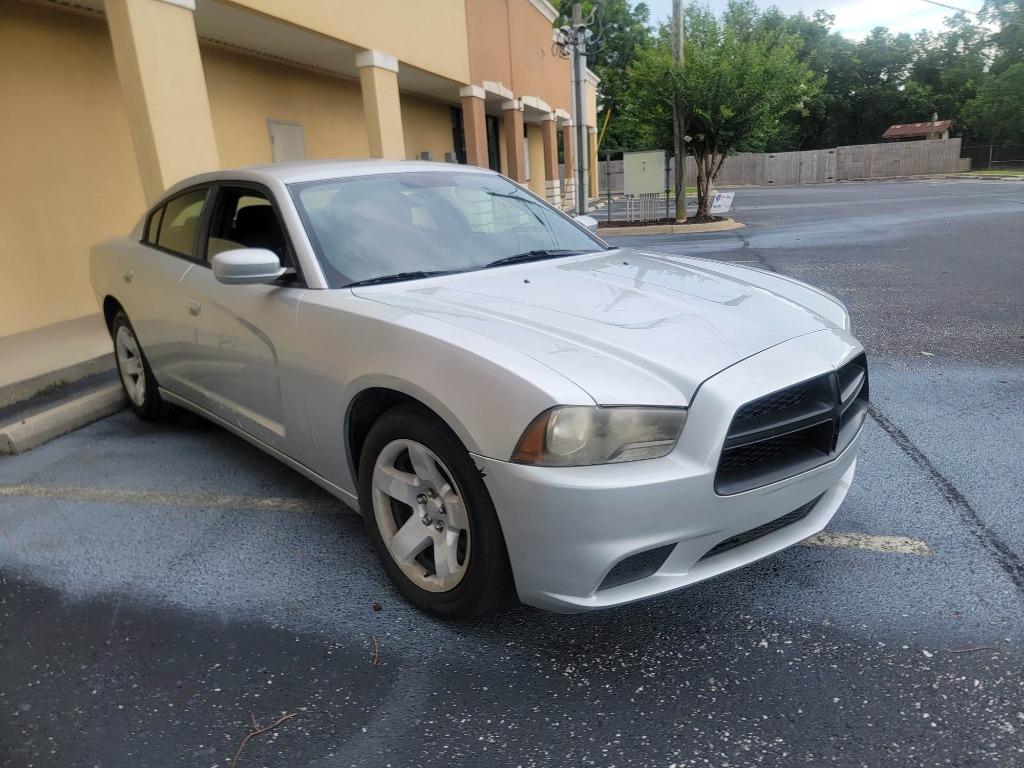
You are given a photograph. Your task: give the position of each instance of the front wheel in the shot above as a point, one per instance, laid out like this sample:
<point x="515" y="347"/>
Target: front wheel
<point x="136" y="376"/>
<point x="430" y="518"/>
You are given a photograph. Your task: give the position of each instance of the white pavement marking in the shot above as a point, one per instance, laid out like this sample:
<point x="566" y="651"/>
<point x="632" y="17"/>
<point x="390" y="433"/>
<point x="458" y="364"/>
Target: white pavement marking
<point x="900" y="545"/>
<point x="895" y="545"/>
<point x="208" y="500"/>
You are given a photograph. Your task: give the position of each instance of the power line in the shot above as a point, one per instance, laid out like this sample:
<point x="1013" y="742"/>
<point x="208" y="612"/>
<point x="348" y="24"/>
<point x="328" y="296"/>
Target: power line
<point x="950" y="7"/>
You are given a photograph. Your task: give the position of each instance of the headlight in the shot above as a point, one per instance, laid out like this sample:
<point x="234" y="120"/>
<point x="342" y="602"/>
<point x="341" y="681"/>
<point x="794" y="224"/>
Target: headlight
<point x="580" y="435"/>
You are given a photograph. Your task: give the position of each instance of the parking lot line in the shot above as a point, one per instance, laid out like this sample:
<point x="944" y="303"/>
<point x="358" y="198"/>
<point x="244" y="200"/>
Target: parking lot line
<point x="900" y="545"/>
<point x="897" y="545"/>
<point x="202" y="500"/>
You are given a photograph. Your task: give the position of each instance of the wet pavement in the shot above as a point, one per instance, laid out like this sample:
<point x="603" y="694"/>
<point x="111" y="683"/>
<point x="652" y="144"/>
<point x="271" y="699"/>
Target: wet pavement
<point x="163" y="585"/>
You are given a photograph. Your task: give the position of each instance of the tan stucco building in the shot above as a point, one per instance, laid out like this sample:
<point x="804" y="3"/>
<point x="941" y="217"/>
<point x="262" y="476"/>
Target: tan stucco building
<point x="106" y="103"/>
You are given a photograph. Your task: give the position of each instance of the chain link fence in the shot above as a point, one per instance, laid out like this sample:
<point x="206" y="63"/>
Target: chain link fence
<point x="995" y="157"/>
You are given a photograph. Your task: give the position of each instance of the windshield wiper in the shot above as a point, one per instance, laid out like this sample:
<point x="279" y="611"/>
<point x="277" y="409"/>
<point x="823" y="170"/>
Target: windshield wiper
<point x="399" y="276"/>
<point x="535" y="255"/>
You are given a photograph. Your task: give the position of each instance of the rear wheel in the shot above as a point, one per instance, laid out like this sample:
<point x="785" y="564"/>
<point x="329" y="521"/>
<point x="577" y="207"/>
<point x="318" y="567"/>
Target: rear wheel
<point x="136" y="376"/>
<point x="430" y="518"/>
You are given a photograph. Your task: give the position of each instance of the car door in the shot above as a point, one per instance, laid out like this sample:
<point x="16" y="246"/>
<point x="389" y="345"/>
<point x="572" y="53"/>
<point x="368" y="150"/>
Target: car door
<point x="152" y="285"/>
<point x="245" y="334"/>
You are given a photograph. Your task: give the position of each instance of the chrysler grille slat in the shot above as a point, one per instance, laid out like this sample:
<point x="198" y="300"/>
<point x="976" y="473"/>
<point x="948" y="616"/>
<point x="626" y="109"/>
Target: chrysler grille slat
<point x="794" y="429"/>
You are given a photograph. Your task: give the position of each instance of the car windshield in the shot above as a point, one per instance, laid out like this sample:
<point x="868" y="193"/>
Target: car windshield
<point x="422" y="223"/>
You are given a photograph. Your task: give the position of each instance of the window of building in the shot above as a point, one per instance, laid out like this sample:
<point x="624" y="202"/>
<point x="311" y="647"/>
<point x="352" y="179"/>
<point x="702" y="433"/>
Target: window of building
<point x="493" y="144"/>
<point x="458" y="135"/>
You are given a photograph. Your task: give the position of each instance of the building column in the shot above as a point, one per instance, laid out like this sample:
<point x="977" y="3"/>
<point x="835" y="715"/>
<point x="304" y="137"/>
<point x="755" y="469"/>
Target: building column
<point x="164" y="88"/>
<point x="569" y="187"/>
<point x="474" y="124"/>
<point x="552" y="186"/>
<point x="512" y="123"/>
<point x="382" y="107"/>
<point x="593" y="169"/>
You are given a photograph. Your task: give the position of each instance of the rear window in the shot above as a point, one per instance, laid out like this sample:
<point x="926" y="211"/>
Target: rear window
<point x="173" y="227"/>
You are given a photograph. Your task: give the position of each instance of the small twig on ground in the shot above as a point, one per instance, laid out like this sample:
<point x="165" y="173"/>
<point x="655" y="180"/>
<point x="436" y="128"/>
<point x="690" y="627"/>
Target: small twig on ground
<point x="256" y="731"/>
<point x="971" y="650"/>
<point x="376" y="652"/>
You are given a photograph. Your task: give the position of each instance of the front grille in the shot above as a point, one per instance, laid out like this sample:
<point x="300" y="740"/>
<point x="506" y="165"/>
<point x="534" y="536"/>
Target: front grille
<point x="773" y="403"/>
<point x="794" y="429"/>
<point x="762" y="530"/>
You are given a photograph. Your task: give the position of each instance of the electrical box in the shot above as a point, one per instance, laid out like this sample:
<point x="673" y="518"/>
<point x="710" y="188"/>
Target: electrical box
<point x="643" y="173"/>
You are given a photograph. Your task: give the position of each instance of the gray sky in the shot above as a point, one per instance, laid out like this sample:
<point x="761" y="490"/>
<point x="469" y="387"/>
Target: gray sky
<point x="854" y="18"/>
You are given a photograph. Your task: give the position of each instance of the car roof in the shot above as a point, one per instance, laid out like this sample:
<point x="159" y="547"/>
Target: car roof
<point x="317" y="170"/>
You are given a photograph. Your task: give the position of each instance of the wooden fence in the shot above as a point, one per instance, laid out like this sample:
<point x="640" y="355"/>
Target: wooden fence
<point x="819" y="166"/>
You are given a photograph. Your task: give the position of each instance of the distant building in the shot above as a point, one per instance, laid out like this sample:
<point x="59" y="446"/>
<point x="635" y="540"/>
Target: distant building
<point x="936" y="129"/>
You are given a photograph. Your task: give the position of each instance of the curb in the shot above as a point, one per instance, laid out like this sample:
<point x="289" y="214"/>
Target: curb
<point x="40" y="428"/>
<point x="675" y="229"/>
<point x="23" y="390"/>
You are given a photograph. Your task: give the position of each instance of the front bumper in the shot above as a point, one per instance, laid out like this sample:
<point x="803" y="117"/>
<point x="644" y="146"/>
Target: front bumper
<point x="566" y="528"/>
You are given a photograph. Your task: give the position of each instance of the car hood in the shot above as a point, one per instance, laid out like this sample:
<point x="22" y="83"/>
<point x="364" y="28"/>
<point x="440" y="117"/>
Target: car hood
<point x="626" y="327"/>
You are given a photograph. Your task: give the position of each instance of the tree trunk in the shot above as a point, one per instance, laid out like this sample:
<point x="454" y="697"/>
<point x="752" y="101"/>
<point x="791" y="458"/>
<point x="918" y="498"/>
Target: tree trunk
<point x="709" y="163"/>
<point x="703" y="157"/>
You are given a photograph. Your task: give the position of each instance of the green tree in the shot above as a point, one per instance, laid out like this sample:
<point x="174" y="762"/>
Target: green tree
<point x="621" y="32"/>
<point x="737" y="84"/>
<point x="1008" y="39"/>
<point x="996" y="114"/>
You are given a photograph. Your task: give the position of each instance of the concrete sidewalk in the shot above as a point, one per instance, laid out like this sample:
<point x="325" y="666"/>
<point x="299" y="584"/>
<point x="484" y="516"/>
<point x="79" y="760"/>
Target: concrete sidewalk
<point x="54" y="355"/>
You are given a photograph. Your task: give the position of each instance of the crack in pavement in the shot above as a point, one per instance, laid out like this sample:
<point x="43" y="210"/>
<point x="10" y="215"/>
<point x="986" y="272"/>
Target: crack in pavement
<point x="1008" y="560"/>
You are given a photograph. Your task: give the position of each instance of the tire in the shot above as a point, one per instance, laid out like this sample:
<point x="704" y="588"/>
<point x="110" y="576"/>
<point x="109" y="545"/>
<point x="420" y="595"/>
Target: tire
<point x="475" y="577"/>
<point x="132" y="366"/>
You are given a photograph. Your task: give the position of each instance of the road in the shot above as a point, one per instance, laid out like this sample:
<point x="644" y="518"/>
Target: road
<point x="161" y="585"/>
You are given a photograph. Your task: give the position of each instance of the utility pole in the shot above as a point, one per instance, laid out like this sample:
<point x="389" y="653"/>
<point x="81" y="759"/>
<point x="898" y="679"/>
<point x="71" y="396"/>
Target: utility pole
<point x="571" y="42"/>
<point x="678" y="115"/>
<point x="579" y="82"/>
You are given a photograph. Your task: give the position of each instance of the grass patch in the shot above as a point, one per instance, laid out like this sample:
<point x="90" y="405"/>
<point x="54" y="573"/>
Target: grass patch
<point x="993" y="172"/>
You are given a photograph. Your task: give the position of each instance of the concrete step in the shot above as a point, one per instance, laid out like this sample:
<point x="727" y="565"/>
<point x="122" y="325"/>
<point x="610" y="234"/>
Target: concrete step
<point x="30" y="423"/>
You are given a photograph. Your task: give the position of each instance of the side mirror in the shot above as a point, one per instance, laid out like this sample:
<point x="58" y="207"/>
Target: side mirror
<point x="587" y="221"/>
<point x="246" y="266"/>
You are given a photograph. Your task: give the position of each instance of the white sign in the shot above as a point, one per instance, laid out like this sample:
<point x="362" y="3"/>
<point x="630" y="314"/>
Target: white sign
<point x="722" y="202"/>
<point x="643" y="173"/>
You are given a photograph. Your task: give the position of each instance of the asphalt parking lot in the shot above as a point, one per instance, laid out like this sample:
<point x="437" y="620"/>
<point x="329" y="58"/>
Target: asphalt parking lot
<point x="163" y="585"/>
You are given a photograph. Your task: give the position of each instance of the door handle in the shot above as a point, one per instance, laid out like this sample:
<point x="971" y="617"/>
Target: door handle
<point x="193" y="306"/>
<point x="128" y="275"/>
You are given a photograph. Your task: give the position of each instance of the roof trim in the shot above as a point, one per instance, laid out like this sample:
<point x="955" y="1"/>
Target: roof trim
<point x="546" y="8"/>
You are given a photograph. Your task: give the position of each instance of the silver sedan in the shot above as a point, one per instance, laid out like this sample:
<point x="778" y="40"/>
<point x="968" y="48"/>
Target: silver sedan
<point x="511" y="404"/>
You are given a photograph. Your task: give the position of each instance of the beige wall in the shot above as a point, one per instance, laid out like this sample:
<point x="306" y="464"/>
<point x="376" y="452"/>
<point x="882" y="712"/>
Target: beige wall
<point x="489" y="56"/>
<point x="68" y="167"/>
<point x="246" y="91"/>
<point x="428" y="127"/>
<point x="536" y="71"/>
<point x="536" y="142"/>
<point x="590" y="107"/>
<point x="429" y="34"/>
<point x="533" y="70"/>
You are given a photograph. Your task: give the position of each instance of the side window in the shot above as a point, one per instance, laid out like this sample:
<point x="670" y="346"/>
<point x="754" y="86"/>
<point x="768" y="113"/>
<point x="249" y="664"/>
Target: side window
<point x="180" y="219"/>
<point x="245" y="218"/>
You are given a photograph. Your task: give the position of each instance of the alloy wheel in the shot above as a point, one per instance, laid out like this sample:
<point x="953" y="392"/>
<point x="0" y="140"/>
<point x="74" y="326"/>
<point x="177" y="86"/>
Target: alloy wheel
<point x="129" y="363"/>
<point x="421" y="515"/>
